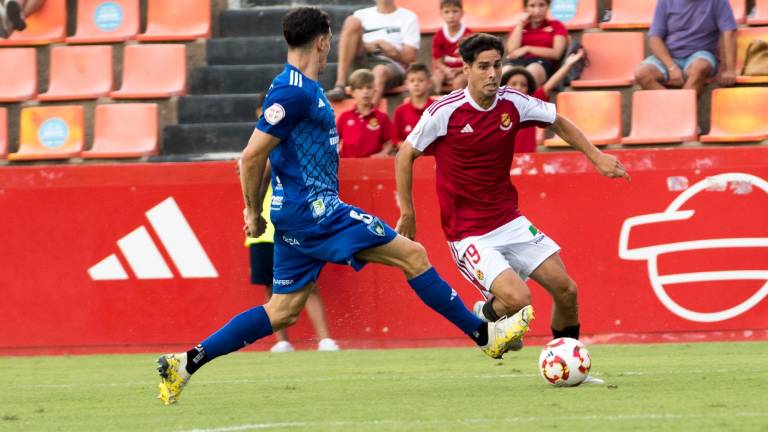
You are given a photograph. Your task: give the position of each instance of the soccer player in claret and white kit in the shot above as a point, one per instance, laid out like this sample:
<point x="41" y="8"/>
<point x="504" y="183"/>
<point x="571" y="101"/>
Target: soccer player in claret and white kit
<point x="297" y="134"/>
<point x="472" y="134"/>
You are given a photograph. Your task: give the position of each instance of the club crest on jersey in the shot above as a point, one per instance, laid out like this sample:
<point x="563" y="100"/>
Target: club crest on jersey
<point x="506" y="122"/>
<point x="274" y="114"/>
<point x="373" y="124"/>
<point x="480" y="275"/>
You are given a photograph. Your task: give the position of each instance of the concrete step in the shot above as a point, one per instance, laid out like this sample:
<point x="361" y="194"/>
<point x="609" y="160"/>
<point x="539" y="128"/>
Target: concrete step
<point x="225" y="108"/>
<point x="244" y="79"/>
<point x="254" y="50"/>
<point x="269" y="21"/>
<point x="206" y="138"/>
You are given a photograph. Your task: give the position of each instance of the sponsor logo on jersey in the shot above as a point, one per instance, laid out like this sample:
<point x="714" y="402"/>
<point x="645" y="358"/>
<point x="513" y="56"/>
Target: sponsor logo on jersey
<point x="274" y="114"/>
<point x="282" y="281"/>
<point x="291" y="241"/>
<point x="506" y="122"/>
<point x="318" y="207"/>
<point x="320" y="103"/>
<point x="467" y="129"/>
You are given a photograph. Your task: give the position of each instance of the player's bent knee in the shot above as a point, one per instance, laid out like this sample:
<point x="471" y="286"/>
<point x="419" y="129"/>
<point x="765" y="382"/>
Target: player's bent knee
<point x="415" y="260"/>
<point x="512" y="301"/>
<point x="567" y="293"/>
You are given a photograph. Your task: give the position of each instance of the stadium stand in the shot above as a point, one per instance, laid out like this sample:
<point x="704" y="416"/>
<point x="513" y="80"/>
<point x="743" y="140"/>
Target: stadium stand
<point x="48" y="25"/>
<point x="739" y="8"/>
<point x="584" y="18"/>
<point x="3" y="132"/>
<point x="51" y="132"/>
<point x="601" y="123"/>
<point x="663" y="116"/>
<point x="744" y="36"/>
<point x="348" y="104"/>
<point x="613" y="58"/>
<point x="124" y="131"/>
<point x="104" y="22"/>
<point x="485" y="16"/>
<point x="760" y="14"/>
<point x="79" y="72"/>
<point x="19" y="82"/>
<point x="738" y="115"/>
<point x="428" y="12"/>
<point x="153" y="71"/>
<point x="630" y="14"/>
<point x="174" y="20"/>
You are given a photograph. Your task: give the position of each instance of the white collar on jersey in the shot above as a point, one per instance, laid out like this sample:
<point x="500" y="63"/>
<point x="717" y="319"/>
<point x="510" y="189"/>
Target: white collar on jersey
<point x="475" y="105"/>
<point x="459" y="35"/>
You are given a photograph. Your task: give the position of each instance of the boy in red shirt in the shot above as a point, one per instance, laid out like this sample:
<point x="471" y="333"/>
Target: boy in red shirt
<point x="364" y="131"/>
<point x="446" y="61"/>
<point x="409" y="112"/>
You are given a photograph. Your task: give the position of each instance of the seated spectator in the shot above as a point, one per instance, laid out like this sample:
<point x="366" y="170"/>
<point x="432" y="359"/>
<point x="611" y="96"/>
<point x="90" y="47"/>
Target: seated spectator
<point x="521" y="79"/>
<point x="14" y="13"/>
<point x="364" y="131"/>
<point x="684" y="39"/>
<point x="446" y="61"/>
<point x="383" y="38"/>
<point x="536" y="42"/>
<point x="409" y="112"/>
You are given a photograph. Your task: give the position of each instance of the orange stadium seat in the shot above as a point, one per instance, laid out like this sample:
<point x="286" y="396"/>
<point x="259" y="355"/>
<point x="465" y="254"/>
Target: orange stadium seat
<point x="45" y="26"/>
<point x="174" y="20"/>
<point x="428" y="12"/>
<point x="613" y="58"/>
<point x="628" y="14"/>
<point x="584" y="17"/>
<point x="101" y="21"/>
<point x="3" y="132"/>
<point x="739" y="8"/>
<point x="601" y="123"/>
<point x="743" y="38"/>
<point x="491" y="16"/>
<point x="153" y="71"/>
<point x="761" y="13"/>
<point x="124" y="131"/>
<point x="663" y="116"/>
<point x="18" y="83"/>
<point x="738" y="114"/>
<point x="347" y="104"/>
<point x="79" y="72"/>
<point x="51" y="132"/>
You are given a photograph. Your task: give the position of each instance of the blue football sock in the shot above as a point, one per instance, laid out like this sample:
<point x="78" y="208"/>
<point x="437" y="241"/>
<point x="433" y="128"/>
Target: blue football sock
<point x="242" y="330"/>
<point x="438" y="295"/>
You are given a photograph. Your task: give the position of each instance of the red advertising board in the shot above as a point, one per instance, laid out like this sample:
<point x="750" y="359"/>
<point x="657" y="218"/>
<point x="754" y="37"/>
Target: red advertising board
<point x="135" y="257"/>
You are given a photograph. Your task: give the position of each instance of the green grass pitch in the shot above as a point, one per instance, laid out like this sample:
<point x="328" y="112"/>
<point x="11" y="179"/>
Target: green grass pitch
<point x="676" y="387"/>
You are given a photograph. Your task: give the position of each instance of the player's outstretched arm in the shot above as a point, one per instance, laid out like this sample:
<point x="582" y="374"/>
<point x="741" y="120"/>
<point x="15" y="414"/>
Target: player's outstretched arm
<point x="406" y="225"/>
<point x="607" y="165"/>
<point x="252" y="177"/>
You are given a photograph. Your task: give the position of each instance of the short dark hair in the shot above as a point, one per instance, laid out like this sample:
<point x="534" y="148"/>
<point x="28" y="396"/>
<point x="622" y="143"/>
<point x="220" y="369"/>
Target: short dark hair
<point x="470" y="47"/>
<point x="525" y="2"/>
<point x="303" y="24"/>
<point x="416" y="68"/>
<point x="454" y="3"/>
<point x="519" y="70"/>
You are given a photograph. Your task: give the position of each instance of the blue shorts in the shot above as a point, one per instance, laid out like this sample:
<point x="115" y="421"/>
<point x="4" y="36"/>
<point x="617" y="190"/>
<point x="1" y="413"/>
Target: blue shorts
<point x="301" y="255"/>
<point x="683" y="63"/>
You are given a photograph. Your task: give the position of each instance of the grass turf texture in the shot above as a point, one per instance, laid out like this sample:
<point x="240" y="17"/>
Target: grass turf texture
<point x="696" y="387"/>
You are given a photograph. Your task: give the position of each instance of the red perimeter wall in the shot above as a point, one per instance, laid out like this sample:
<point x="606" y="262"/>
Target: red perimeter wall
<point x="698" y="272"/>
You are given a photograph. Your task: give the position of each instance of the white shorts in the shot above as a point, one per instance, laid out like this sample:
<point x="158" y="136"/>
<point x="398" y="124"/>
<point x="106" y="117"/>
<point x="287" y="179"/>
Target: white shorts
<point x="517" y="245"/>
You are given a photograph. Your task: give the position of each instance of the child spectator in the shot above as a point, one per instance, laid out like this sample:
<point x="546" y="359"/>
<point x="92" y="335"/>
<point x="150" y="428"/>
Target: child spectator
<point x="446" y="61"/>
<point x="364" y="131"/>
<point x="409" y="112"/>
<point x="521" y="79"/>
<point x="536" y="42"/>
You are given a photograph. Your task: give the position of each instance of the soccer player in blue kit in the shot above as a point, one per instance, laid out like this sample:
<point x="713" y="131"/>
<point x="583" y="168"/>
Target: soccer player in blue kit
<point x="297" y="134"/>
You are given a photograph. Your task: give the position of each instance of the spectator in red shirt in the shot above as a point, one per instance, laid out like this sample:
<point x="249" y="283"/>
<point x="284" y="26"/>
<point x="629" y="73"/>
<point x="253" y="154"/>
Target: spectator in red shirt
<point x="409" y="112"/>
<point x="537" y="43"/>
<point x="446" y="61"/>
<point x="520" y="79"/>
<point x="364" y="131"/>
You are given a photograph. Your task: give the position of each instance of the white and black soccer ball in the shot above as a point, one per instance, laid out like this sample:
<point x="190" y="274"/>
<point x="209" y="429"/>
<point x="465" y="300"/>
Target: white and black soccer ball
<point x="564" y="362"/>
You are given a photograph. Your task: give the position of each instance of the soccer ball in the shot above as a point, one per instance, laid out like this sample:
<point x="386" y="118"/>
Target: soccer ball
<point x="564" y="362"/>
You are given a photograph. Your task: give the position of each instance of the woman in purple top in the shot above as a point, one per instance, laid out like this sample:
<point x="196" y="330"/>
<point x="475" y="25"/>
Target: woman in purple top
<point x="684" y="39"/>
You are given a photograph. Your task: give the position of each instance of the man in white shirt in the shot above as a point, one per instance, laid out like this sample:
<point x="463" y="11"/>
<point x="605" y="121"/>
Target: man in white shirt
<point x="383" y="38"/>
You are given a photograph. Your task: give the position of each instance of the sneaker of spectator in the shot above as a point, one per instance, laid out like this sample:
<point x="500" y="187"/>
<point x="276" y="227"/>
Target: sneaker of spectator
<point x="3" y="28"/>
<point x="14" y="15"/>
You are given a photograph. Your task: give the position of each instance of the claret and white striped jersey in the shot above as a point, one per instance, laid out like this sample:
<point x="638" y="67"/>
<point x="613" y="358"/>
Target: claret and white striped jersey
<point x="473" y="149"/>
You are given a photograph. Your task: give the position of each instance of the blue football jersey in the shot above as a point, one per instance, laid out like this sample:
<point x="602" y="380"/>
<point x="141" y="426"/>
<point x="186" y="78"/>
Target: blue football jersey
<point x="305" y="184"/>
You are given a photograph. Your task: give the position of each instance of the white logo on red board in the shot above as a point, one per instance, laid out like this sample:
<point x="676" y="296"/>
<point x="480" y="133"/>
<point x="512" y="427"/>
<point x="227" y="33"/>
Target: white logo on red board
<point x="739" y="184"/>
<point x="143" y="256"/>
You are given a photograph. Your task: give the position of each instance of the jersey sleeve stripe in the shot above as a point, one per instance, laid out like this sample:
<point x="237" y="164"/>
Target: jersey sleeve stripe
<point x="450" y="98"/>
